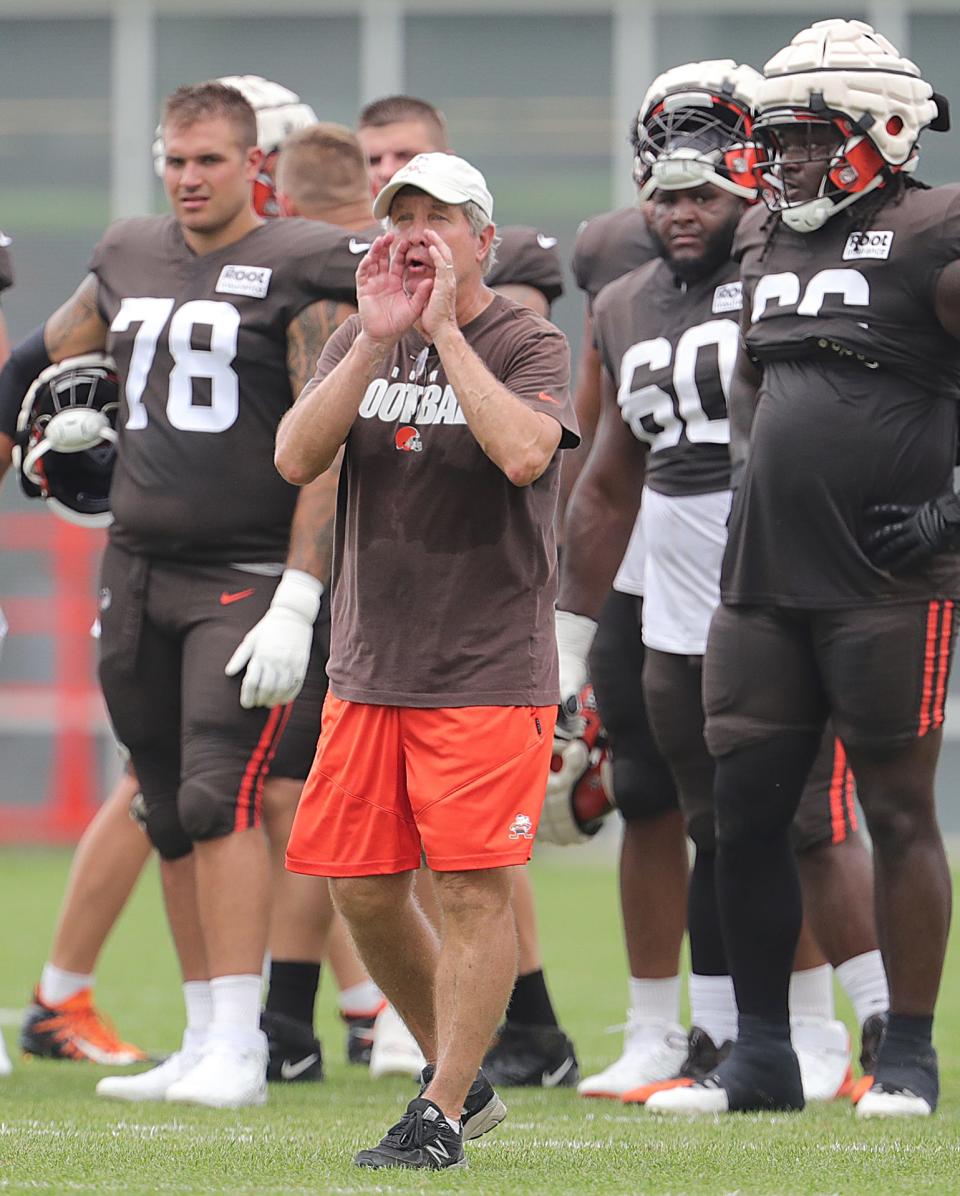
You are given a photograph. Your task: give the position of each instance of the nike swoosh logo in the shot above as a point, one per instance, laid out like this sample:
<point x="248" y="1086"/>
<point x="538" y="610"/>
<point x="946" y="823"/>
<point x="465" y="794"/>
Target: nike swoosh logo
<point x="548" y="398"/>
<point x="356" y="246"/>
<point x="290" y="1071"/>
<point x="546" y="242"/>
<point x="226" y="599"/>
<point x="550" y="1079"/>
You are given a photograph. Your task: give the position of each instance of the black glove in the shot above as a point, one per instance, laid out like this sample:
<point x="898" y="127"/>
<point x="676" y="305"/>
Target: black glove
<point x="905" y="534"/>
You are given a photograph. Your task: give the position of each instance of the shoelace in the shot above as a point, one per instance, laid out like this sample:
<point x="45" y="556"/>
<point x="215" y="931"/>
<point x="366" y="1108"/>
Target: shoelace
<point x="409" y="1131"/>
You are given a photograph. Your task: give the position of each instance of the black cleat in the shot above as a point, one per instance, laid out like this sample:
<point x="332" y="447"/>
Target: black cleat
<point x="421" y="1139"/>
<point x="703" y="1057"/>
<point x="906" y="1079"/>
<point x="359" y="1036"/>
<point x="760" y="1073"/>
<point x="871" y="1035"/>
<point x="482" y="1111"/>
<point x="531" y="1057"/>
<point x="295" y="1052"/>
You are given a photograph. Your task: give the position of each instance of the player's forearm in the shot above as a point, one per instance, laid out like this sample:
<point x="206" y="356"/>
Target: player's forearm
<point x="312" y="431"/>
<point x="596" y="534"/>
<point x="311" y="531"/>
<point x="519" y="441"/>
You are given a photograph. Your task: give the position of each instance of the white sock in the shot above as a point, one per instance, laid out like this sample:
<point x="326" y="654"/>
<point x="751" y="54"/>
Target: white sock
<point x="454" y="1125"/>
<point x="360" y="998"/>
<point x="58" y="985"/>
<point x="713" y="1007"/>
<point x="198" y="1001"/>
<point x="236" y="1007"/>
<point x="655" y="998"/>
<point x="811" y="993"/>
<point x="865" y="983"/>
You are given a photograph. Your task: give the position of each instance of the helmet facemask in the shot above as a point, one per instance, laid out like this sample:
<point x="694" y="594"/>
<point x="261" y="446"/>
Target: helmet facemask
<point x="848" y="165"/>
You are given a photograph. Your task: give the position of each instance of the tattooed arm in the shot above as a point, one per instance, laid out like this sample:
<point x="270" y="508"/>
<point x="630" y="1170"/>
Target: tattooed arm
<point x="311" y="533"/>
<point x="74" y="328"/>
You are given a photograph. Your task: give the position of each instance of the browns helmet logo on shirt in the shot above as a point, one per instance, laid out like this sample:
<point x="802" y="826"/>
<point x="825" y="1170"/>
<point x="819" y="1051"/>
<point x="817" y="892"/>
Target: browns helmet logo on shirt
<point x="408" y="439"/>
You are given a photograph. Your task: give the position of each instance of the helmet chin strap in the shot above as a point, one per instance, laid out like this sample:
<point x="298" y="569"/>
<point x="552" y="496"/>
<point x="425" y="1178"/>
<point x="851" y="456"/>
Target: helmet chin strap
<point x="808" y="217"/>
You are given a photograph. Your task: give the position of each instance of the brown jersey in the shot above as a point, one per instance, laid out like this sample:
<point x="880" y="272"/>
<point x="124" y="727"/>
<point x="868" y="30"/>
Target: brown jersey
<point x="6" y="263"/>
<point x="445" y="572"/>
<point x="670" y="348"/>
<point x="609" y="246"/>
<point x="527" y="257"/>
<point x="201" y="346"/>
<point x="857" y="405"/>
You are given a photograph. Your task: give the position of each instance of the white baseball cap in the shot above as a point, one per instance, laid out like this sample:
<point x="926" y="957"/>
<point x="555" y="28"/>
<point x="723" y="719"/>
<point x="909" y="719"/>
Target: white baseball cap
<point x="444" y="176"/>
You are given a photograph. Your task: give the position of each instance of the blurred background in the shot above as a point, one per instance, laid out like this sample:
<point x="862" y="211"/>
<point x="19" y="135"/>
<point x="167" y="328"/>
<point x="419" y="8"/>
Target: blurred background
<point x="539" y="95"/>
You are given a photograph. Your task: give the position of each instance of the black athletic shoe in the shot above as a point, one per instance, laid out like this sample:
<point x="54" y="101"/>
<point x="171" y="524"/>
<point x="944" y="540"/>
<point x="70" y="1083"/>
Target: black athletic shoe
<point x="422" y="1138"/>
<point x="483" y="1110"/>
<point x="359" y="1037"/>
<point x="760" y="1074"/>
<point x="703" y="1057"/>
<point x="531" y="1057"/>
<point x="906" y="1080"/>
<point x="871" y="1035"/>
<point x="295" y="1052"/>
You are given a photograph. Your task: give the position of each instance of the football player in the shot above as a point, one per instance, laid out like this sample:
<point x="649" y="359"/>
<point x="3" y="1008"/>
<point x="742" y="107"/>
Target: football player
<point x="531" y="1049"/>
<point x="653" y="862"/>
<point x="840" y="571"/>
<point x="215" y="319"/>
<point x="670" y="358"/>
<point x="62" y="1020"/>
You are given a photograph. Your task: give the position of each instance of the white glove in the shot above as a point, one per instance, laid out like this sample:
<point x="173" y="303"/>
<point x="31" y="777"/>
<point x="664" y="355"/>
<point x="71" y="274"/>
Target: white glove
<point x="574" y="639"/>
<point x="276" y="651"/>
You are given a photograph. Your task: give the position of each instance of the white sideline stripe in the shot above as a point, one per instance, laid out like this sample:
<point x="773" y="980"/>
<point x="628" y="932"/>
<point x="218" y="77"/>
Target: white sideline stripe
<point x="11" y="1017"/>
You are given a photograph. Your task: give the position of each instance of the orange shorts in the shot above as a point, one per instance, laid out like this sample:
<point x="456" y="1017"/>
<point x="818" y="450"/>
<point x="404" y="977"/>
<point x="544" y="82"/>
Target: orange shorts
<point x="462" y="785"/>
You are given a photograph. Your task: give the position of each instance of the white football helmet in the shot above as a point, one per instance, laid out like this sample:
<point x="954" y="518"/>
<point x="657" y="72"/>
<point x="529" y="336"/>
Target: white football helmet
<point x="279" y="112"/>
<point x="694" y="127"/>
<point x="66" y="438"/>
<point x="844" y="75"/>
<point x="580" y="782"/>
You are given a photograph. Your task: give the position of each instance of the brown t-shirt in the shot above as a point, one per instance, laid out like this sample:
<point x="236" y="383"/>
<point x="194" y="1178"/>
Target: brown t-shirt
<point x="527" y="257"/>
<point x="201" y="347"/>
<point x="445" y="572"/>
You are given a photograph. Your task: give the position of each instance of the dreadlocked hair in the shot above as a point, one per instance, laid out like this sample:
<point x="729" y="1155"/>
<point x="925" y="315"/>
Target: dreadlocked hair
<point x="863" y="214"/>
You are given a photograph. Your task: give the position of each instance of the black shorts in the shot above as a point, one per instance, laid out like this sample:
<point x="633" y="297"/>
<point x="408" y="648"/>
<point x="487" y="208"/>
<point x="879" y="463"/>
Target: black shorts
<point x="168" y="630"/>
<point x="642" y="782"/>
<point x="879" y="672"/>
<point x="673" y="688"/>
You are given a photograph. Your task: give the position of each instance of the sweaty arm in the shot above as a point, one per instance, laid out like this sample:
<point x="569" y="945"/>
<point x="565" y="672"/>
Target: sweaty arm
<point x="311" y="433"/>
<point x="74" y="328"/>
<point x="602" y="510"/>
<point x="586" y="403"/>
<point x="518" y="440"/>
<point x="311" y="533"/>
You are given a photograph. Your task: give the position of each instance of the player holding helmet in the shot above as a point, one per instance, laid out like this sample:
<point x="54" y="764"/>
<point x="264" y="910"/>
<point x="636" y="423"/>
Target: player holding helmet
<point x="840" y="574"/>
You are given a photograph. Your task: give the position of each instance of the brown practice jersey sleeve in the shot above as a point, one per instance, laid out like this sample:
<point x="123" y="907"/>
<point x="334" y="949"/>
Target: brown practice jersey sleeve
<point x="609" y="246"/>
<point x="857" y="404"/>
<point x="670" y="348"/>
<point x="445" y="572"/>
<point x="6" y="263"/>
<point x="201" y="347"/>
<point x="527" y="257"/>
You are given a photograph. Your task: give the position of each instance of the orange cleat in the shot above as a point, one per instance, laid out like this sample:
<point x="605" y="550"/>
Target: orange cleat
<point x="74" y="1029"/>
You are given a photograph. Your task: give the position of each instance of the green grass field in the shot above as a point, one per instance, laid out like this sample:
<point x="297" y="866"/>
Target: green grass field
<point x="56" y="1136"/>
